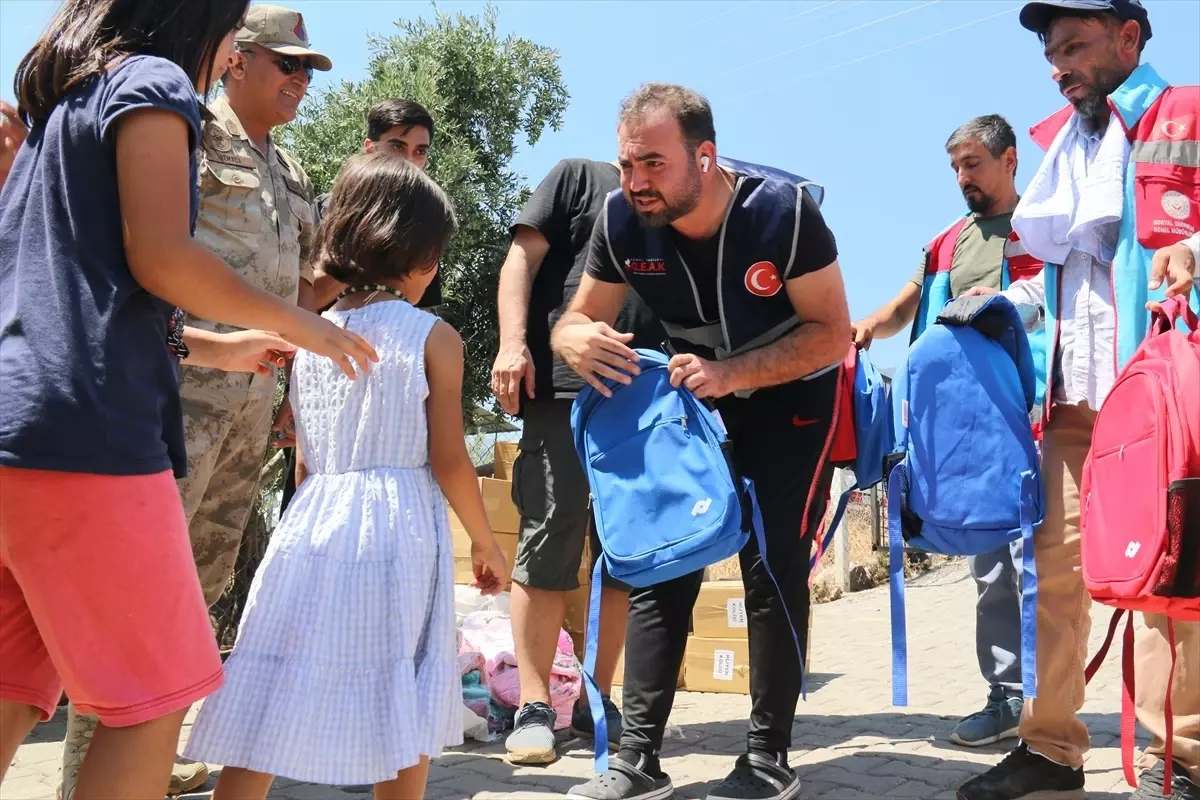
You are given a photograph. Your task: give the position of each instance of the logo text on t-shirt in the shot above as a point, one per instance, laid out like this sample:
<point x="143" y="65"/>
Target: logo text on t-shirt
<point x="646" y="266"/>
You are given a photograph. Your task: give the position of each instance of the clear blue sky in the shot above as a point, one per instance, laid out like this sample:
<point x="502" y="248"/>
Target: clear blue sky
<point x="859" y="95"/>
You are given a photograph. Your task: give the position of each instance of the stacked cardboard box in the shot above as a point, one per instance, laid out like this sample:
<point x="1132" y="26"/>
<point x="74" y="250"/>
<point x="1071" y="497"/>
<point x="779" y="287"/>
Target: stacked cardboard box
<point x="718" y="651"/>
<point x="619" y="675"/>
<point x="727" y="570"/>
<point x="505" y="521"/>
<point x="504" y="456"/>
<point x="575" y="620"/>
<point x="717" y="665"/>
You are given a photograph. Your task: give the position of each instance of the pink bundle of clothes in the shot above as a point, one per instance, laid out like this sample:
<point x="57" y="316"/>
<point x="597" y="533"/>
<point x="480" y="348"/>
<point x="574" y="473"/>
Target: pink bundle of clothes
<point x="486" y="637"/>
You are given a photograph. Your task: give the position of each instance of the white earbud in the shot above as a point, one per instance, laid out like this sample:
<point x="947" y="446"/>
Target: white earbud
<point x="704" y="163"/>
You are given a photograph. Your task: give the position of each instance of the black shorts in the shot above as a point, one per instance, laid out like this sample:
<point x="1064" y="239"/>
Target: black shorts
<point x="550" y="491"/>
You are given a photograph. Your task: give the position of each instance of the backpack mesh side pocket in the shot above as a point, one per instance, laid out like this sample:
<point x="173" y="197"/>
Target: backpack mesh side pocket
<point x="910" y="523"/>
<point x="1180" y="576"/>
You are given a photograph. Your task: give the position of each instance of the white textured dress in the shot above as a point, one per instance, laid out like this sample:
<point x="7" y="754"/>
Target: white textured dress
<point x="344" y="670"/>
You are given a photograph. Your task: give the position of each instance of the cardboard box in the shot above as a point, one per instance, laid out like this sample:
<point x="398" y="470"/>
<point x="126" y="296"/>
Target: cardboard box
<point x="464" y="574"/>
<point x="497" y="502"/>
<point x="459" y="537"/>
<point x="720" y="611"/>
<point x="462" y="542"/>
<point x="575" y="620"/>
<point x="504" y="456"/>
<point x="506" y="524"/>
<point x="717" y="665"/>
<point x="619" y="675"/>
<point x="727" y="570"/>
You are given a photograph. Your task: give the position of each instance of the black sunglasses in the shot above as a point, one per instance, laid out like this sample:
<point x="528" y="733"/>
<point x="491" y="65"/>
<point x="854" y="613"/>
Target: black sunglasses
<point x="290" y="65"/>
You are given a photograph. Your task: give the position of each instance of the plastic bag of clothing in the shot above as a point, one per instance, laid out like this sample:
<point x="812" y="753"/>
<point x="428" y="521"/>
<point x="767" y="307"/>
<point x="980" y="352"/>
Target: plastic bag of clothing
<point x="490" y="634"/>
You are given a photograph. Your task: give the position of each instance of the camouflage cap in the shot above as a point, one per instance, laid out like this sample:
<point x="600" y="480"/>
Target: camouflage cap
<point x="281" y="30"/>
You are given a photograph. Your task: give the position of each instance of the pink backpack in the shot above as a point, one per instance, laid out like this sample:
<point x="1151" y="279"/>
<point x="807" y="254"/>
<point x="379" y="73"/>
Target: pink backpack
<point x="1140" y="495"/>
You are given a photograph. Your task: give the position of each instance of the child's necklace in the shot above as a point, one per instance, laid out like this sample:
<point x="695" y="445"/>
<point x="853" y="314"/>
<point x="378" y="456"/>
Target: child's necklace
<point x="373" y="288"/>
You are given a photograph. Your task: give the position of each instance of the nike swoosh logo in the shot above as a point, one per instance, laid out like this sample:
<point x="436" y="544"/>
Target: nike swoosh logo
<point x="803" y="423"/>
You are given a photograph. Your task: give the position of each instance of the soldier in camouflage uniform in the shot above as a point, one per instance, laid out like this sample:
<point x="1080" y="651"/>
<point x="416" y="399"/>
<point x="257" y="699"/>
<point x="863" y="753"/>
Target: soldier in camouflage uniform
<point x="256" y="212"/>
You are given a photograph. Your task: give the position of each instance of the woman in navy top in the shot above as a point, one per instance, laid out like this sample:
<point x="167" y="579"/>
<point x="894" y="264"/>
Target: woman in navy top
<point x="98" y="590"/>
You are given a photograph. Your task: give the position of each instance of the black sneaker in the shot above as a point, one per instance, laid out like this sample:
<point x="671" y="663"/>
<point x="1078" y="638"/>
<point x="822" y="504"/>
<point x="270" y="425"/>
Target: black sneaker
<point x="583" y="727"/>
<point x="532" y="738"/>
<point x="1024" y="775"/>
<point x="757" y="776"/>
<point x="1150" y="784"/>
<point x="626" y="779"/>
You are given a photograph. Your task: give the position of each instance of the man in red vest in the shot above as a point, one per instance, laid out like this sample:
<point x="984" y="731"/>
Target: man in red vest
<point x="1113" y="212"/>
<point x="979" y="249"/>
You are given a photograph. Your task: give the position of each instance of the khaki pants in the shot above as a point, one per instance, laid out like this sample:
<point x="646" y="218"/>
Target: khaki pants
<point x="227" y="419"/>
<point x="1152" y="662"/>
<point x="1050" y="724"/>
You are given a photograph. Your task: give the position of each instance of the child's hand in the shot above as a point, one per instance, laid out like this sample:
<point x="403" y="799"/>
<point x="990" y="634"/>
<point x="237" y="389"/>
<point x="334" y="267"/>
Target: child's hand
<point x="491" y="568"/>
<point x="241" y="351"/>
<point x="320" y="336"/>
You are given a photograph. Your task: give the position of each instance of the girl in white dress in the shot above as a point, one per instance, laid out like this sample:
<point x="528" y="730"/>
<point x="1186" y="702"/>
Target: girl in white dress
<point x="344" y="670"/>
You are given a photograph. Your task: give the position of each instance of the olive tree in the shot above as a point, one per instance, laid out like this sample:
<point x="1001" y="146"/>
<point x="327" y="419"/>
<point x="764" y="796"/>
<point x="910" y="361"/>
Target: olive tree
<point x="487" y="95"/>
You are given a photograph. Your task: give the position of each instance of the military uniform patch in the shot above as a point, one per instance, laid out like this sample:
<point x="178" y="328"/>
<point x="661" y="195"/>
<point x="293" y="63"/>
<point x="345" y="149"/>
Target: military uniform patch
<point x="232" y="159"/>
<point x="216" y="139"/>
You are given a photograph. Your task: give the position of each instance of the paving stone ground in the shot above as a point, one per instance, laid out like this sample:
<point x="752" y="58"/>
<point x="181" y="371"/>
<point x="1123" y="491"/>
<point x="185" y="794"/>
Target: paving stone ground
<point x="849" y="741"/>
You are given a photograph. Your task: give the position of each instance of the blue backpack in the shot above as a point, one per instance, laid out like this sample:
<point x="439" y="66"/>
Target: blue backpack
<point x="664" y="494"/>
<point x="966" y="479"/>
<point x="874" y="438"/>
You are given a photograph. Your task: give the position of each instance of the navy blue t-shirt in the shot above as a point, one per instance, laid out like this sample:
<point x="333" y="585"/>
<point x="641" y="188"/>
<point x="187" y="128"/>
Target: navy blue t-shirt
<point x="87" y="381"/>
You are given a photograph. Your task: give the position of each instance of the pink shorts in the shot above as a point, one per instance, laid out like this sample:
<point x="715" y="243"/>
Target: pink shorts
<point x="99" y="593"/>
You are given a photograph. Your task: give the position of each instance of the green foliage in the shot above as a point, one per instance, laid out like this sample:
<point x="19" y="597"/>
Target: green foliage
<point x="485" y="94"/>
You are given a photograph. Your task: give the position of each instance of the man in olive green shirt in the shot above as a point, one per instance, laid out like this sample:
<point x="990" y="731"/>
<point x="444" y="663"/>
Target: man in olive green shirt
<point x="983" y="154"/>
<point x="978" y="254"/>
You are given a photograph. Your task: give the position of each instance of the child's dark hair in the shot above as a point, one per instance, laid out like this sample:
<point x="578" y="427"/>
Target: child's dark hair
<point x="386" y="219"/>
<point x="86" y="36"/>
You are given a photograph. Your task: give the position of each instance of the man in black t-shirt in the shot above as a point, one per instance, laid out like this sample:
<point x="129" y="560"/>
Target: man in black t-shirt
<point x="743" y="273"/>
<point x="538" y="279"/>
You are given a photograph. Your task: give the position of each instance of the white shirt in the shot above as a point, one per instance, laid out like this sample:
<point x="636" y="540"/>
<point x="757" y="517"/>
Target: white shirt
<point x="1085" y="367"/>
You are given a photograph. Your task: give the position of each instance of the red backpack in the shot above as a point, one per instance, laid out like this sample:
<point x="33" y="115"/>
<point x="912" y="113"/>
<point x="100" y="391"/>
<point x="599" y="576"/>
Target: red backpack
<point x="1140" y="518"/>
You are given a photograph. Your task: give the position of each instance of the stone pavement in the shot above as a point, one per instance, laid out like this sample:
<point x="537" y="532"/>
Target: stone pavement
<point x="849" y="742"/>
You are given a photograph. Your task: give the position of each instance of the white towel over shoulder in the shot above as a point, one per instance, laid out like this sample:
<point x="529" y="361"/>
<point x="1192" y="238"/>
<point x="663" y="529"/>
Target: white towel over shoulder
<point x="1069" y="200"/>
